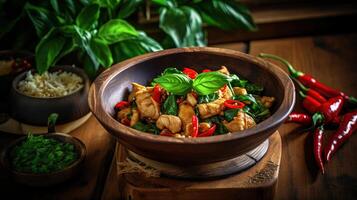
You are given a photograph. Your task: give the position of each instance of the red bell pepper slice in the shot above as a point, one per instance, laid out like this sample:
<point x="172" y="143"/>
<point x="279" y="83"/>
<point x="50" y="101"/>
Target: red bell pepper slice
<point x="206" y="70"/>
<point x="157" y="93"/>
<point x="209" y="132"/>
<point x="194" y="126"/>
<point x="233" y="104"/>
<point x="190" y="72"/>
<point x="121" y="104"/>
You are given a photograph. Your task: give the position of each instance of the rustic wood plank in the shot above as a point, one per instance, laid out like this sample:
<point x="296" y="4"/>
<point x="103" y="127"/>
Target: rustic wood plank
<point x="87" y="185"/>
<point x="332" y="60"/>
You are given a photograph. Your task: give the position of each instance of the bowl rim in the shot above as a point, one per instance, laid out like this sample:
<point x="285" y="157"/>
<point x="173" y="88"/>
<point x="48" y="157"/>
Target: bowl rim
<point x="6" y="151"/>
<point x="78" y="71"/>
<point x="96" y="104"/>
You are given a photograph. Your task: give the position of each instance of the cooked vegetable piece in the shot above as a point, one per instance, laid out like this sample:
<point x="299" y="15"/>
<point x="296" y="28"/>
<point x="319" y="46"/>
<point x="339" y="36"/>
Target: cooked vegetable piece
<point x="170" y="106"/>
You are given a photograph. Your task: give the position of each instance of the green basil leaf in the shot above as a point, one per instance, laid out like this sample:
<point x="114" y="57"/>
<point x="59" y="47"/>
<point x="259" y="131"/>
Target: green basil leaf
<point x="48" y="49"/>
<point x="226" y="14"/>
<point x="68" y="47"/>
<point x="220" y="129"/>
<point x="116" y="30"/>
<point x="128" y="7"/>
<point x="254" y="88"/>
<point x="89" y="67"/>
<point x="248" y="97"/>
<point x="183" y="25"/>
<point x="170" y="107"/>
<point x="146" y="127"/>
<point x="178" y="84"/>
<point x="209" y="82"/>
<point x="88" y="17"/>
<point x="207" y="98"/>
<point x="171" y="70"/>
<point x="101" y="52"/>
<point x="230" y="114"/>
<point x="40" y="18"/>
<point x="107" y="3"/>
<point x="136" y="45"/>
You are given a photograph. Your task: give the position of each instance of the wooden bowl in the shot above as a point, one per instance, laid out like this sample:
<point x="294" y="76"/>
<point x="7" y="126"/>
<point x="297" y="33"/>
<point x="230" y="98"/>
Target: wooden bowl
<point x="35" y="110"/>
<point x="47" y="179"/>
<point x="114" y="84"/>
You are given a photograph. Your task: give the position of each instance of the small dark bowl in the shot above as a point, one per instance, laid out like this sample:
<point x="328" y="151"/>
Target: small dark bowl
<point x="114" y="84"/>
<point x="35" y="110"/>
<point x="6" y="80"/>
<point x="47" y="179"/>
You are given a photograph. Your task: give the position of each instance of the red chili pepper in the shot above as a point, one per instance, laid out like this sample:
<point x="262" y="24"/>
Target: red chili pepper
<point x="157" y="93"/>
<point x="310" y="81"/>
<point x="329" y="110"/>
<point x="194" y="94"/>
<point x="300" y="118"/>
<point x="310" y="92"/>
<point x="206" y="70"/>
<point x="125" y="121"/>
<point x="223" y="89"/>
<point x="309" y="103"/>
<point x="194" y="126"/>
<point x="233" y="104"/>
<point x="120" y="105"/>
<point x="209" y="132"/>
<point x="190" y="72"/>
<point x="347" y="126"/>
<point x="318" y="133"/>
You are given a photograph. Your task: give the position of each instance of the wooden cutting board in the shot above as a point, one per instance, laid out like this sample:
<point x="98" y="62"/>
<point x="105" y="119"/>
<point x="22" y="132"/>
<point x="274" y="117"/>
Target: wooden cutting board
<point x="257" y="182"/>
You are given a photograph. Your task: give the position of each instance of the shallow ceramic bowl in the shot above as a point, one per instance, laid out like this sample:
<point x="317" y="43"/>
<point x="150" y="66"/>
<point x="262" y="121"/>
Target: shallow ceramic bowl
<point x="47" y="179"/>
<point x="114" y="84"/>
<point x="35" y="110"/>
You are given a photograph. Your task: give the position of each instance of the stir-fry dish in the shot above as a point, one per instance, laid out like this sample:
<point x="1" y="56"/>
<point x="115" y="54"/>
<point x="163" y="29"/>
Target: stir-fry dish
<point x="191" y="104"/>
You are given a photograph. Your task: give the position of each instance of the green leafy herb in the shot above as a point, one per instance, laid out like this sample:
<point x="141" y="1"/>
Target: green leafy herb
<point x="38" y="154"/>
<point x="230" y="114"/>
<point x="146" y="127"/>
<point x="176" y="83"/>
<point x="207" y="98"/>
<point x="254" y="88"/>
<point x="170" y="107"/>
<point x="128" y="7"/>
<point x="209" y="82"/>
<point x="171" y="70"/>
<point x="116" y="30"/>
<point x="88" y="17"/>
<point x="220" y="129"/>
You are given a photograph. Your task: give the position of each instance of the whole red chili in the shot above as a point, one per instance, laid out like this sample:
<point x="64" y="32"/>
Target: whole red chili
<point x="233" y="104"/>
<point x="194" y="126"/>
<point x="310" y="81"/>
<point x="309" y="103"/>
<point x="329" y="110"/>
<point x="310" y="92"/>
<point x="190" y="72"/>
<point x="157" y="93"/>
<point x="347" y="126"/>
<point x="209" y="132"/>
<point x="300" y="118"/>
<point x="318" y="133"/>
<point x="121" y="104"/>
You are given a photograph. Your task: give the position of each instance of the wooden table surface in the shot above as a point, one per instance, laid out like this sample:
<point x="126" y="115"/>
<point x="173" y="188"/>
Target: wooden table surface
<point x="330" y="58"/>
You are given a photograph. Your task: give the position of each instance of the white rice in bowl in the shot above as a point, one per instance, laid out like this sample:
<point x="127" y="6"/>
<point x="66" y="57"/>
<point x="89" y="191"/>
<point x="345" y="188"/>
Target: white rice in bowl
<point x="50" y="84"/>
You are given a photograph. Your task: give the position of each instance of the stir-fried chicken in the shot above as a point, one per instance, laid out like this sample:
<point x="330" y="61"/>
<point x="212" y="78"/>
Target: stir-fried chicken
<point x="191" y="99"/>
<point x="224" y="70"/>
<point x="171" y="122"/>
<point x="239" y="123"/>
<point x="134" y="117"/>
<point x="207" y="110"/>
<point x="147" y="106"/>
<point x="240" y="91"/>
<point x="186" y="112"/>
<point x="267" y="101"/>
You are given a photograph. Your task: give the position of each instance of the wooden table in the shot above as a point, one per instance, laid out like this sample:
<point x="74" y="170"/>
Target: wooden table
<point x="330" y="58"/>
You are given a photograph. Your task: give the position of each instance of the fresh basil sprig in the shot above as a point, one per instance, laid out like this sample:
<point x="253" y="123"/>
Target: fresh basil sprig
<point x="178" y="84"/>
<point x="209" y="82"/>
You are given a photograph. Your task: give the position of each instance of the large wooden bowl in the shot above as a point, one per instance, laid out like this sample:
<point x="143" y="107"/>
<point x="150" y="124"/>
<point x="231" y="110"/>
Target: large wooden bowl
<point x="114" y="84"/>
<point x="35" y="110"/>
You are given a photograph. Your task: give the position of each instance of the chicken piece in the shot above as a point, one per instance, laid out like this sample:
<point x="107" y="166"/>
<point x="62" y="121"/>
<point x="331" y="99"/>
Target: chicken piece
<point x="188" y="129"/>
<point x="204" y="126"/>
<point x="147" y="106"/>
<point x="240" y="91"/>
<point x="185" y="113"/>
<point x="136" y="88"/>
<point x="134" y="117"/>
<point x="123" y="116"/>
<point x="191" y="99"/>
<point x="171" y="122"/>
<point x="239" y="123"/>
<point x="225" y="92"/>
<point x="224" y="70"/>
<point x="210" y="109"/>
<point x="267" y="101"/>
